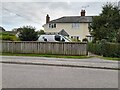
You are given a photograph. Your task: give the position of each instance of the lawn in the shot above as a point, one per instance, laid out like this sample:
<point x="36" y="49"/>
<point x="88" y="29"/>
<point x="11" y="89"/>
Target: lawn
<point x="47" y="55"/>
<point x="60" y="56"/>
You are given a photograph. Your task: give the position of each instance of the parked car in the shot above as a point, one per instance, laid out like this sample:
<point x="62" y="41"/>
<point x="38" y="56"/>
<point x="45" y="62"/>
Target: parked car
<point x="53" y="38"/>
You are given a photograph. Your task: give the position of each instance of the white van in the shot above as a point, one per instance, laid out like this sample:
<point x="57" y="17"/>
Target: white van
<point x="53" y="38"/>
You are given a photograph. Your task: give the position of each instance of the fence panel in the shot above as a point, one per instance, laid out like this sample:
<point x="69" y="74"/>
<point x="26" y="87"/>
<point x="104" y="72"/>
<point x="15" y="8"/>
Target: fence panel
<point x="61" y="48"/>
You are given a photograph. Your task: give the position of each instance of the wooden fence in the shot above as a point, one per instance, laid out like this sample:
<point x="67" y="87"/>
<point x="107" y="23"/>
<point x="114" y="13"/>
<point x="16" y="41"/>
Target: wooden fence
<point x="61" y="48"/>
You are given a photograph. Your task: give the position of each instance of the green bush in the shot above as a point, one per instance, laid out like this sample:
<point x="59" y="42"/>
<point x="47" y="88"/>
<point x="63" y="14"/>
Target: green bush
<point x="95" y="48"/>
<point x="8" y="37"/>
<point x="85" y="40"/>
<point x="105" y="49"/>
<point x="112" y="50"/>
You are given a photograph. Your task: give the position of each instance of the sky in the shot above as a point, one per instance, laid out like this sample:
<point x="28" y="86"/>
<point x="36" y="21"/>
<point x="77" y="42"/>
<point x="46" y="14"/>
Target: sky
<point x="19" y="13"/>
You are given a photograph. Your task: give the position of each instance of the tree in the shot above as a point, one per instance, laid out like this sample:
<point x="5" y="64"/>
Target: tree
<point x="27" y="33"/>
<point x="41" y="32"/>
<point x="118" y="36"/>
<point x="107" y="24"/>
<point x="15" y="29"/>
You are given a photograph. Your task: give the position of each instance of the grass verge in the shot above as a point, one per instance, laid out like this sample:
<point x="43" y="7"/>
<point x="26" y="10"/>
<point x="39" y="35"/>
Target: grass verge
<point x="109" y="58"/>
<point x="46" y="55"/>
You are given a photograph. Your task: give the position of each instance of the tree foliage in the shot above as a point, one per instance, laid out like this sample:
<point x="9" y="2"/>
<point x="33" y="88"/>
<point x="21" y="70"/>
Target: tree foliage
<point x="107" y="24"/>
<point x="41" y="32"/>
<point x="27" y="33"/>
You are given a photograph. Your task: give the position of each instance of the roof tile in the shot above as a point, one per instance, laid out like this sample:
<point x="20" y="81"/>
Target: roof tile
<point x="73" y="19"/>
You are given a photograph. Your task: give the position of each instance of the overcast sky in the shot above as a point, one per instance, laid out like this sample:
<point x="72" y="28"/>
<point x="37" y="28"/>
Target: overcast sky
<point x="15" y="14"/>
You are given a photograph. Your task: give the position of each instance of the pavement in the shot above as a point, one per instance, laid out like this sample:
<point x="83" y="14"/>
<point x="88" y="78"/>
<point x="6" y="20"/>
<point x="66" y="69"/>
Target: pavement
<point x="93" y="62"/>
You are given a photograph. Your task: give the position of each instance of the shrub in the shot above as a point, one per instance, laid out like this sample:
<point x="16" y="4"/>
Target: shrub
<point x="112" y="50"/>
<point x="75" y="40"/>
<point x="8" y="36"/>
<point x="85" y="40"/>
<point x="105" y="49"/>
<point x="95" y="48"/>
<point x="28" y="33"/>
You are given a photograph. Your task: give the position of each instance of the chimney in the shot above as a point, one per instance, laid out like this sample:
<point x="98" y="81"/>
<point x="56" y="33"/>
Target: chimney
<point x="82" y="12"/>
<point x="47" y="18"/>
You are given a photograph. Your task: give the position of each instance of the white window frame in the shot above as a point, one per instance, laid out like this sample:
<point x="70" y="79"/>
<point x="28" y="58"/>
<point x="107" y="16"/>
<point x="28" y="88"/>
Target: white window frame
<point x="75" y="25"/>
<point x="52" y="25"/>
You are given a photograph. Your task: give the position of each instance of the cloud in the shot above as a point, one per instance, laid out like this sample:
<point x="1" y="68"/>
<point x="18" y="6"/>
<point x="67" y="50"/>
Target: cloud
<point x="16" y="14"/>
<point x="60" y="0"/>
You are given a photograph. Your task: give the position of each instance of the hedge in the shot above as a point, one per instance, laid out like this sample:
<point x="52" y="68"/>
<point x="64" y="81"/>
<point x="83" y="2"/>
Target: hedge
<point x="8" y="36"/>
<point x="105" y="49"/>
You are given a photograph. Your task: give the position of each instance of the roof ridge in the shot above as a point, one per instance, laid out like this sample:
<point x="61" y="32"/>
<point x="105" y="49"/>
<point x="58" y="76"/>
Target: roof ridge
<point x="72" y="19"/>
<point x="77" y="16"/>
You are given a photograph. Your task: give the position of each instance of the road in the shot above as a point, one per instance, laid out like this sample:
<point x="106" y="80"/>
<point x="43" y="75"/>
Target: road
<point x="38" y="76"/>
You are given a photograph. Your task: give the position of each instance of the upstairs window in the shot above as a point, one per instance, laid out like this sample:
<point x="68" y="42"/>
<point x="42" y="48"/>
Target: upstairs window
<point x="75" y="25"/>
<point x="52" y="25"/>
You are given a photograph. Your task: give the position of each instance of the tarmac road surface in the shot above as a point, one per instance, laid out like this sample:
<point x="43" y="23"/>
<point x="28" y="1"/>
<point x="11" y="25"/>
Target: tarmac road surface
<point x="39" y="76"/>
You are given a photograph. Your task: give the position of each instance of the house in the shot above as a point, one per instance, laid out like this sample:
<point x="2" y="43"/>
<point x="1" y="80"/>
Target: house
<point x="2" y="29"/>
<point x="62" y="32"/>
<point x="76" y="27"/>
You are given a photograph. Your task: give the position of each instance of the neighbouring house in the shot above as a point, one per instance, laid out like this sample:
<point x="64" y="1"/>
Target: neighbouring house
<point x="2" y="29"/>
<point x="76" y="27"/>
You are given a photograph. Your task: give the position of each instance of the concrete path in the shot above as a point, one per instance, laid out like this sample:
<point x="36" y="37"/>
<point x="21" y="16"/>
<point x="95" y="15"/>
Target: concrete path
<point x="83" y="63"/>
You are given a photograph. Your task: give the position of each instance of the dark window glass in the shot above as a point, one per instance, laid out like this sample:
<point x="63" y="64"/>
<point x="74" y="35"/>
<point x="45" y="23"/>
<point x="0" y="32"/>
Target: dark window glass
<point x="57" y="38"/>
<point x="63" y="39"/>
<point x="54" y="25"/>
<point x="45" y="39"/>
<point x="49" y="25"/>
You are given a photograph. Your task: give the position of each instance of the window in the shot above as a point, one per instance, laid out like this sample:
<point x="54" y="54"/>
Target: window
<point x="52" y="25"/>
<point x="63" y="39"/>
<point x="45" y="39"/>
<point x="75" y="25"/>
<point x="57" y="38"/>
<point x="75" y="37"/>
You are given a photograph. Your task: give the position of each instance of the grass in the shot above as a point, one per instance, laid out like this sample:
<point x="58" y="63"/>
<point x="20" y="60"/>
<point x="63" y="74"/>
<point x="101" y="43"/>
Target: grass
<point x="46" y="55"/>
<point x="59" y="56"/>
<point x="109" y="58"/>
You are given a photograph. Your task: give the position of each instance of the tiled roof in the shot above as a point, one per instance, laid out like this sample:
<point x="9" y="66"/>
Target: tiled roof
<point x="73" y="19"/>
<point x="62" y="32"/>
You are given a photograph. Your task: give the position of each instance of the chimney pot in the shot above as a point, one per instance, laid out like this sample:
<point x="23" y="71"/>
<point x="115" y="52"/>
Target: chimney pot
<point x="83" y="12"/>
<point x="47" y="18"/>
